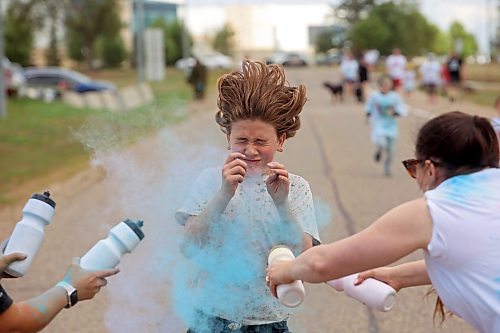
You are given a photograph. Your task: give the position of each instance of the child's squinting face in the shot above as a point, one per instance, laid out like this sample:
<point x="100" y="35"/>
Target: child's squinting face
<point x="257" y="140"/>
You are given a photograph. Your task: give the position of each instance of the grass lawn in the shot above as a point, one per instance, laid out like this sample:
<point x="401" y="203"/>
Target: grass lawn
<point x="485" y="73"/>
<point x="38" y="140"/>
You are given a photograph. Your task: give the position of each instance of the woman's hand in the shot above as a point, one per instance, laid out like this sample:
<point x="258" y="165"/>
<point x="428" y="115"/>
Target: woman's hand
<point x="278" y="273"/>
<point x="233" y="173"/>
<point x="87" y="283"/>
<point x="6" y="260"/>
<point x="384" y="274"/>
<point x="278" y="184"/>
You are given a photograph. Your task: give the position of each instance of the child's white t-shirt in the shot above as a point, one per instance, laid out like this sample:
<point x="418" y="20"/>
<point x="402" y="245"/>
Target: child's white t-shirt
<point x="249" y="227"/>
<point x="463" y="256"/>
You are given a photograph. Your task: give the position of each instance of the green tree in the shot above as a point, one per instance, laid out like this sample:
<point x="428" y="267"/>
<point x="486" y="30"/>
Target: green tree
<point x="18" y="31"/>
<point x="460" y="38"/>
<point x="75" y="45"/>
<point x="442" y="43"/>
<point x="323" y="42"/>
<point x="111" y="50"/>
<point x="223" y="41"/>
<point x="87" y="21"/>
<point x="371" y="33"/>
<point x="392" y="25"/>
<point x="173" y="38"/>
<point x="351" y="11"/>
<point x="52" y="52"/>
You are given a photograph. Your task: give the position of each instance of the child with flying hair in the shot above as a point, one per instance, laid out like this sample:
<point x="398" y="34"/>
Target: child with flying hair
<point x="236" y="213"/>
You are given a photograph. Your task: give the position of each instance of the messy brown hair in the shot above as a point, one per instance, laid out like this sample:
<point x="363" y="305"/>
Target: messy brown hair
<point x="260" y="91"/>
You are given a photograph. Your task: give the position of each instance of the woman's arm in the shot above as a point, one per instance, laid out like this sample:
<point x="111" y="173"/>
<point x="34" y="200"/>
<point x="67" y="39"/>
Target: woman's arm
<point x="34" y="314"/>
<point x="406" y="275"/>
<point x="397" y="233"/>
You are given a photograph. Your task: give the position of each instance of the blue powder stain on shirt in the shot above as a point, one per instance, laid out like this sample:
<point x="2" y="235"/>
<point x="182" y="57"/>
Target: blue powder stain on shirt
<point x="464" y="188"/>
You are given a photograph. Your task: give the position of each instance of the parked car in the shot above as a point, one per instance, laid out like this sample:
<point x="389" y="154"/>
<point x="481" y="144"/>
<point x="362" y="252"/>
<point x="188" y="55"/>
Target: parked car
<point x="185" y="64"/>
<point x="287" y="59"/>
<point x="330" y="58"/>
<point x="58" y="78"/>
<point x="217" y="60"/>
<point x="211" y="60"/>
<point x="14" y="78"/>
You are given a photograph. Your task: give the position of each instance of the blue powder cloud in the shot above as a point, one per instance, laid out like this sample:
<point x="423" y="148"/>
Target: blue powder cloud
<point x="158" y="285"/>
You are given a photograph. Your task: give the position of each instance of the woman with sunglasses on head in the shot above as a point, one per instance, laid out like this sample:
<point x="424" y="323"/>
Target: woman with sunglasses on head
<point x="456" y="224"/>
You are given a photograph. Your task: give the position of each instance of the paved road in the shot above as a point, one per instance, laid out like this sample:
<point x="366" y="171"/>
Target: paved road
<point x="332" y="151"/>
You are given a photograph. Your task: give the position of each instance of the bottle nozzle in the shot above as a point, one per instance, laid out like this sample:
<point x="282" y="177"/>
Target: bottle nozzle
<point x="136" y="227"/>
<point x="45" y="197"/>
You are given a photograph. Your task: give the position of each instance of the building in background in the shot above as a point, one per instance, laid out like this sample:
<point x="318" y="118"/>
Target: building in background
<point x="153" y="10"/>
<point x="260" y="29"/>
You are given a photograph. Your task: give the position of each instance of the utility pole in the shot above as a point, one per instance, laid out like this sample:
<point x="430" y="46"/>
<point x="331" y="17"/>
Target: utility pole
<point x="3" y="102"/>
<point x="185" y="38"/>
<point x="139" y="15"/>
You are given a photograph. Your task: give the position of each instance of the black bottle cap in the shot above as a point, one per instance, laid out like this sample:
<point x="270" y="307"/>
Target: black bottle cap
<point x="45" y="197"/>
<point x="136" y="227"/>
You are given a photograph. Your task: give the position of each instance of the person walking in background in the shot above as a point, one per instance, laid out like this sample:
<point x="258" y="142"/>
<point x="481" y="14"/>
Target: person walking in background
<point x="456" y="224"/>
<point x="383" y="108"/>
<point x="363" y="78"/>
<point x="34" y="314"/>
<point x="430" y="70"/>
<point x="349" y="71"/>
<point x="198" y="79"/>
<point x="409" y="80"/>
<point x="236" y="213"/>
<point x="395" y="65"/>
<point x="454" y="65"/>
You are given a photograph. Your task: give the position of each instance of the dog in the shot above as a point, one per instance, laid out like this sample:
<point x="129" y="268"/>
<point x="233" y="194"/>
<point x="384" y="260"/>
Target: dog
<point x="337" y="90"/>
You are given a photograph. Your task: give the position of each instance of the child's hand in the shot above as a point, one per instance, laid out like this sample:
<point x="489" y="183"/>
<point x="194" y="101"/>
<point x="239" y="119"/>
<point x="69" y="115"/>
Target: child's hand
<point x="233" y="173"/>
<point x="391" y="112"/>
<point x="278" y="184"/>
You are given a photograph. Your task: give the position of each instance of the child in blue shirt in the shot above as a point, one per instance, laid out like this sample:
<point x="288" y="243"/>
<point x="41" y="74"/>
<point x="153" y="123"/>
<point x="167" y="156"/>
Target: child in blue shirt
<point x="383" y="107"/>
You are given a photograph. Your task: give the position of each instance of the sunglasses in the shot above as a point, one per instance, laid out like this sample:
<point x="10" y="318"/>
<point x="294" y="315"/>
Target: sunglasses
<point x="411" y="165"/>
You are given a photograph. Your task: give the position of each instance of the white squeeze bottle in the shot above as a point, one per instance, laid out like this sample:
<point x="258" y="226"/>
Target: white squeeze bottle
<point x="373" y="293"/>
<point x="29" y="232"/>
<point x="107" y="253"/>
<point x="291" y="294"/>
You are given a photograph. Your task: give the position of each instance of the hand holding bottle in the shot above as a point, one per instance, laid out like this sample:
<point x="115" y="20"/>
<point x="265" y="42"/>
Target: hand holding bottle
<point x="290" y="294"/>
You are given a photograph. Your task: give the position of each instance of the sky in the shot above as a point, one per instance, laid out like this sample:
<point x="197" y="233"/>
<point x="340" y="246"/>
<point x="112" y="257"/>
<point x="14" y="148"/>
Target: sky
<point x="478" y="16"/>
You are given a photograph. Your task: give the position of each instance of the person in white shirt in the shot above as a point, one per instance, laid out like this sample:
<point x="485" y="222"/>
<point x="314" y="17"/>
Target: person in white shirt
<point x="395" y="66"/>
<point x="349" y="71"/>
<point x="430" y="70"/>
<point x="456" y="224"/>
<point x="409" y="81"/>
